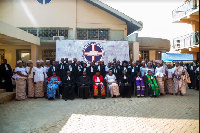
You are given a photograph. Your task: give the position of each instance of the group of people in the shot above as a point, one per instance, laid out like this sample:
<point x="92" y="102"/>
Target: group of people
<point x="70" y="79"/>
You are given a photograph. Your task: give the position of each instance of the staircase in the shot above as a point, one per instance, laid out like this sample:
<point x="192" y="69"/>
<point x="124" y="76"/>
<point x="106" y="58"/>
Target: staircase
<point x="6" y="96"/>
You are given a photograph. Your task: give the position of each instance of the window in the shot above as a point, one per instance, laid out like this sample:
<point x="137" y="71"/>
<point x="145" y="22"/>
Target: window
<point x="50" y="53"/>
<point x="92" y="34"/>
<point x="158" y="55"/>
<point x="144" y="55"/>
<point x="47" y="33"/>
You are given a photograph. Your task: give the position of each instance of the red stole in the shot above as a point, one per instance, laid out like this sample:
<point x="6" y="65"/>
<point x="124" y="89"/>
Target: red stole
<point x="95" y="87"/>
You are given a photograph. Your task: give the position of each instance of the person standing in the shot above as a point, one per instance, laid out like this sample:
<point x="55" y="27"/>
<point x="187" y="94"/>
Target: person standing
<point x="6" y="75"/>
<point x="169" y="80"/>
<point x="31" y="86"/>
<point x="38" y="76"/>
<point x="20" y="81"/>
<point x="116" y="71"/>
<point x="180" y="77"/>
<point x="160" y="73"/>
<point x="143" y="69"/>
<point x="90" y="70"/>
<point x="52" y="69"/>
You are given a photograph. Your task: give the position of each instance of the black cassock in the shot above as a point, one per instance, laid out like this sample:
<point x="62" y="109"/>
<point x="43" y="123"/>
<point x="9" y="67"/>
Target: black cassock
<point x="6" y="73"/>
<point x="68" y="91"/>
<point x="84" y="90"/>
<point x="125" y="90"/>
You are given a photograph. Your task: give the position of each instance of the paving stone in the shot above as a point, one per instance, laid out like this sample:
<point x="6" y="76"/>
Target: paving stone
<point x="164" y="114"/>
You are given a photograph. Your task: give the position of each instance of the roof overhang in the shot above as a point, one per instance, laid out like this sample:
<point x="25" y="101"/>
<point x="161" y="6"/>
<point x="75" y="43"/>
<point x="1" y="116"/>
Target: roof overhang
<point x="15" y="36"/>
<point x="132" y="25"/>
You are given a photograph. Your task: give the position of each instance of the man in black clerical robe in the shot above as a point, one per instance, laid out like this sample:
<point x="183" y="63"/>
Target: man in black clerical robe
<point x="132" y="72"/>
<point x="84" y="83"/>
<point x="52" y="69"/>
<point x="68" y="87"/>
<point x="125" y="85"/>
<point x="116" y="71"/>
<point x="6" y="75"/>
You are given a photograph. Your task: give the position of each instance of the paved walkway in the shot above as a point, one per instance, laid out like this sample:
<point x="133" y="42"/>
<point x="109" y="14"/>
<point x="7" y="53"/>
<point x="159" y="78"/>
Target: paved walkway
<point x="165" y="114"/>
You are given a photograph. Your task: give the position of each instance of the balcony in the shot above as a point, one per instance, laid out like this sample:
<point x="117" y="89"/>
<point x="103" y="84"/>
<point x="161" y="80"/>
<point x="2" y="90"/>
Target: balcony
<point x="187" y="41"/>
<point x="184" y="10"/>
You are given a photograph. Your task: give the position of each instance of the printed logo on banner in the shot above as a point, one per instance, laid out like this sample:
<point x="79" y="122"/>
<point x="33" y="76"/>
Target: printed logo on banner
<point x="92" y="52"/>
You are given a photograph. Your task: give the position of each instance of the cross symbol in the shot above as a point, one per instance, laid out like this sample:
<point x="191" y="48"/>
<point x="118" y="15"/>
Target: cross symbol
<point x="93" y="53"/>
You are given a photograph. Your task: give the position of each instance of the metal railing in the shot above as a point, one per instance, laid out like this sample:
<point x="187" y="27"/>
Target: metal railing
<point x="185" y="9"/>
<point x="186" y="41"/>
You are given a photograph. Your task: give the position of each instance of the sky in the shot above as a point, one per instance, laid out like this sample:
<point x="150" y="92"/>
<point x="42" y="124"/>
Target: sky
<point x="156" y="16"/>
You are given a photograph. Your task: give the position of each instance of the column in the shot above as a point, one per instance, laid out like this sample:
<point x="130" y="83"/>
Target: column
<point x="34" y="53"/>
<point x="152" y="55"/>
<point x="135" y="51"/>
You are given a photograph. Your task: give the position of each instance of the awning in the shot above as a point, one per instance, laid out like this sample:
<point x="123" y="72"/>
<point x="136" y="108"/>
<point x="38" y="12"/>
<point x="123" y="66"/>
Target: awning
<point x="168" y="57"/>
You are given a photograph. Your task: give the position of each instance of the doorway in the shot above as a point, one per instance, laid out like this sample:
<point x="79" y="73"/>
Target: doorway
<point x="23" y="55"/>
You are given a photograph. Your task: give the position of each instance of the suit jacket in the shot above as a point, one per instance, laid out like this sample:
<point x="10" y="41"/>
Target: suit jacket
<point x="102" y="69"/>
<point x="62" y="71"/>
<point x="74" y="71"/>
<point x="50" y="71"/>
<point x="133" y="73"/>
<point x="117" y="73"/>
<point x="5" y="74"/>
<point x="66" y="82"/>
<point x="89" y="73"/>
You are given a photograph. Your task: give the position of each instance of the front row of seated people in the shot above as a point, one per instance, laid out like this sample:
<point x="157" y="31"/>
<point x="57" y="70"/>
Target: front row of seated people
<point x="101" y="87"/>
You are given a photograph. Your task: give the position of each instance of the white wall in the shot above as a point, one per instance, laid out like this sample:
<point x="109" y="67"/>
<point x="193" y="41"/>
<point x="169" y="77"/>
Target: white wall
<point x="58" y="13"/>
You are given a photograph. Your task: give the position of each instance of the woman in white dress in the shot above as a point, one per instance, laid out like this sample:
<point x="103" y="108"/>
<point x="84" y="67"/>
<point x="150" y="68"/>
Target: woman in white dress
<point x="160" y="73"/>
<point x="112" y="85"/>
<point x="38" y="76"/>
<point x="143" y="69"/>
<point x="31" y="86"/>
<point x="20" y="81"/>
<point x="169" y="80"/>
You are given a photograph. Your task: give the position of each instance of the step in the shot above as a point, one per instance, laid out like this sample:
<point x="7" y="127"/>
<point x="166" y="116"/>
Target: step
<point x="7" y="96"/>
<point x="2" y="90"/>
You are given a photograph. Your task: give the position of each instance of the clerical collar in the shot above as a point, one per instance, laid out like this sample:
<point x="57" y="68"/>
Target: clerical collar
<point x="84" y="76"/>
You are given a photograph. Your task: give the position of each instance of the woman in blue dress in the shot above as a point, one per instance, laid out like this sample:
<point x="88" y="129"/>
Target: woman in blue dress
<point x="53" y="84"/>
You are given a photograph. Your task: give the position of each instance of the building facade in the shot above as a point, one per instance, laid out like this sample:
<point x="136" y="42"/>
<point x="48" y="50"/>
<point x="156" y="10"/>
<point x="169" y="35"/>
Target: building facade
<point x="37" y="24"/>
<point x="188" y="13"/>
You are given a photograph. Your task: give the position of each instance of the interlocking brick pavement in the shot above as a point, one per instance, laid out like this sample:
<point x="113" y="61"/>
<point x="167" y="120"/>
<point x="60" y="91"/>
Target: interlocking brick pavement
<point x="124" y="115"/>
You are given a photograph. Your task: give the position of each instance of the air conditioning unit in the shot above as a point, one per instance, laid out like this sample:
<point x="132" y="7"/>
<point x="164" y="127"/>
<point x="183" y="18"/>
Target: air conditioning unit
<point x="58" y="38"/>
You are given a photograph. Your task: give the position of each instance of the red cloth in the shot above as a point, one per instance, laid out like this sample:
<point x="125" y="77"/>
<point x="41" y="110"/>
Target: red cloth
<point x="96" y="87"/>
<point x="56" y="76"/>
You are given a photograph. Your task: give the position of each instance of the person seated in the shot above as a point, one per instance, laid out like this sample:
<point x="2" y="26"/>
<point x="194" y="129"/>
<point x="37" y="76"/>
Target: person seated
<point x="98" y="86"/>
<point x="84" y="85"/>
<point x="69" y="87"/>
<point x="139" y="85"/>
<point x="151" y="84"/>
<point x="125" y="85"/>
<point x="112" y="84"/>
<point x="53" y="85"/>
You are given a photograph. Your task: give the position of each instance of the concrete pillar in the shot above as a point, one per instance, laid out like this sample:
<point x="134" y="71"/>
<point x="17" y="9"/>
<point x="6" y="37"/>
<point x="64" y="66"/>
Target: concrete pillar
<point x="152" y="55"/>
<point x="135" y="51"/>
<point x="34" y="53"/>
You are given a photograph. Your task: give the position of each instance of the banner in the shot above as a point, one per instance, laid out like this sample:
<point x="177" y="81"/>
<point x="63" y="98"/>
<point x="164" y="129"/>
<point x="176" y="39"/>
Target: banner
<point x="89" y="50"/>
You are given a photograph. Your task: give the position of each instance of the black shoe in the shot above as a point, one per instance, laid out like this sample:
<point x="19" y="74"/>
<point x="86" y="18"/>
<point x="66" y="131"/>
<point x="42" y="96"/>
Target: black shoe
<point x="176" y="94"/>
<point x="35" y="97"/>
<point x="172" y="94"/>
<point x="65" y="99"/>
